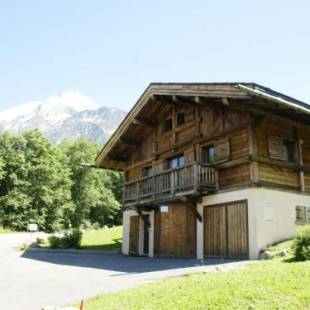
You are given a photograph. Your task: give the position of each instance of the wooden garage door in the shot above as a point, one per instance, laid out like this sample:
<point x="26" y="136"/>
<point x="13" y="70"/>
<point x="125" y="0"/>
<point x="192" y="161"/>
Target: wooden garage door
<point x="226" y="230"/>
<point x="175" y="232"/>
<point x="134" y="235"/>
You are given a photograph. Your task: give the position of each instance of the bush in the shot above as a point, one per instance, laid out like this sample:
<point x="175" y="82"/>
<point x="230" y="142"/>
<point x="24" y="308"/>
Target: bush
<point x="68" y="241"/>
<point x="302" y="246"/>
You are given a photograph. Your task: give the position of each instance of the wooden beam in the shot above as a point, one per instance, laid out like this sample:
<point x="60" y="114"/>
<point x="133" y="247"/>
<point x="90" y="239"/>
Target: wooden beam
<point x="144" y="218"/>
<point x="193" y="208"/>
<point x="116" y="158"/>
<point x="225" y="102"/>
<point x="300" y="159"/>
<point x="129" y="141"/>
<point x="143" y="122"/>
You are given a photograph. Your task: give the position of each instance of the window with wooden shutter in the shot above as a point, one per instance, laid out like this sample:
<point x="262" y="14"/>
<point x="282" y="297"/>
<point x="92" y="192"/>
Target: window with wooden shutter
<point x="276" y="147"/>
<point x="300" y="214"/>
<point x="222" y="150"/>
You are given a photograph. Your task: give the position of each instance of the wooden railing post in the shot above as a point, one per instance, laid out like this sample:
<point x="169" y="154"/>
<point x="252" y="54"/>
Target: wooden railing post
<point x="137" y="191"/>
<point x="195" y="176"/>
<point x="172" y="183"/>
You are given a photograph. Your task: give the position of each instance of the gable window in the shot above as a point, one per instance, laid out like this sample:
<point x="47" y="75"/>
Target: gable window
<point x="167" y="125"/>
<point x="180" y="119"/>
<point x="175" y="162"/>
<point x="208" y="154"/>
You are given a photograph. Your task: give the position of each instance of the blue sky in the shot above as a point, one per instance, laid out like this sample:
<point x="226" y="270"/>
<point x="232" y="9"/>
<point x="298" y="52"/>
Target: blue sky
<point x="111" y="50"/>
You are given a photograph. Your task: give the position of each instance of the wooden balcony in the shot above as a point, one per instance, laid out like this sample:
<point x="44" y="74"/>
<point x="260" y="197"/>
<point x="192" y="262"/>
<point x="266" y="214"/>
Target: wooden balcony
<point x="190" y="179"/>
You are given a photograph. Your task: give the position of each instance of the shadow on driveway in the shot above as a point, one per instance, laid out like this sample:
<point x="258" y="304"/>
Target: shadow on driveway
<point x="118" y="262"/>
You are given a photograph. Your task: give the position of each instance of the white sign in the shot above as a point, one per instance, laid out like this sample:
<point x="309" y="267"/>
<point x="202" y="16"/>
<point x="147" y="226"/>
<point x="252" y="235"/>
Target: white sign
<point x="164" y="209"/>
<point x="32" y="227"/>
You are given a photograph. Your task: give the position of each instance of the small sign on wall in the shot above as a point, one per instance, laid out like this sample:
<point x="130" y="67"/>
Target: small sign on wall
<point x="32" y="227"/>
<point x="164" y="209"/>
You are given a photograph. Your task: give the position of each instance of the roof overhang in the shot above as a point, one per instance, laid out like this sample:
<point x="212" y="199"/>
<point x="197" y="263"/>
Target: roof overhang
<point x="196" y="93"/>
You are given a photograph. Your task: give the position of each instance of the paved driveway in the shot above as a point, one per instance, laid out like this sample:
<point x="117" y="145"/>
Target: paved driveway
<point x="32" y="280"/>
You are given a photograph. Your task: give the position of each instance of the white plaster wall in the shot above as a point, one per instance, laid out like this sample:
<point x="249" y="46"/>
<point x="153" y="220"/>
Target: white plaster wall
<point x="276" y="215"/>
<point x="271" y="215"/>
<point x="126" y="232"/>
<point x="126" y="226"/>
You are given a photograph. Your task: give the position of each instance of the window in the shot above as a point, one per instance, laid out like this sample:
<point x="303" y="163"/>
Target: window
<point x="175" y="162"/>
<point x="180" y="119"/>
<point x="147" y="171"/>
<point x="208" y="154"/>
<point x="289" y="151"/>
<point x="167" y="125"/>
<point x="302" y="215"/>
<point x="282" y="149"/>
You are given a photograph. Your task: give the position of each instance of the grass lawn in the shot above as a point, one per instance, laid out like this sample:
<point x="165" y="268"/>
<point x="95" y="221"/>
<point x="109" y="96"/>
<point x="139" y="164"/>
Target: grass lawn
<point x="5" y="230"/>
<point x="277" y="284"/>
<point x="102" y="239"/>
<point x="264" y="285"/>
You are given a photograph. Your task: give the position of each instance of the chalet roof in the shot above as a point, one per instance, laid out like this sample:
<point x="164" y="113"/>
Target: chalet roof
<point x="271" y="101"/>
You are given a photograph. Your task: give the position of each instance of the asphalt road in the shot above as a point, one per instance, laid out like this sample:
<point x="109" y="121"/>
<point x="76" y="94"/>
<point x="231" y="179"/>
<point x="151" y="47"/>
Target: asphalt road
<point x="31" y="280"/>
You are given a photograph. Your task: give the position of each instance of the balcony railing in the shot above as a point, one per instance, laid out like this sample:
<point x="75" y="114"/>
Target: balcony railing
<point x="189" y="179"/>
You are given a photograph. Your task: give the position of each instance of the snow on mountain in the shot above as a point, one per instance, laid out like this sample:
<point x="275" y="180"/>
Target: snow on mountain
<point x="69" y="115"/>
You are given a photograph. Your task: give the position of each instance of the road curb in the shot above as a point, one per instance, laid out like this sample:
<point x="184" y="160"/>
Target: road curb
<point x="74" y="251"/>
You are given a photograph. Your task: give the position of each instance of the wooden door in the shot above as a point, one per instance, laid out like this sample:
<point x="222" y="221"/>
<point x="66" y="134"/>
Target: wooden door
<point x="226" y="230"/>
<point x="175" y="232"/>
<point x="215" y="231"/>
<point x="134" y="235"/>
<point x="237" y="229"/>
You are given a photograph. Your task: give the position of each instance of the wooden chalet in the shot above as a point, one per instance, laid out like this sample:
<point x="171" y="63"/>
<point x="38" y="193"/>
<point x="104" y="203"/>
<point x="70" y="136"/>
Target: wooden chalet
<point x="211" y="169"/>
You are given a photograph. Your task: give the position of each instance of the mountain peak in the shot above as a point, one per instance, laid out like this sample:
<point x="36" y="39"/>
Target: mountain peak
<point x="68" y="115"/>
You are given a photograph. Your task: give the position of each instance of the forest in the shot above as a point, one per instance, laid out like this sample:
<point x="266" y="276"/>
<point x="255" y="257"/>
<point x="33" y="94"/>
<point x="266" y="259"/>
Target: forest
<point x="48" y="185"/>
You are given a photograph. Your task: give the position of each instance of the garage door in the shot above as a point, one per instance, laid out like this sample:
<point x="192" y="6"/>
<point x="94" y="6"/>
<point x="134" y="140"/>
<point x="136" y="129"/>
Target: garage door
<point x="134" y="235"/>
<point x="175" y="232"/>
<point x="226" y="230"/>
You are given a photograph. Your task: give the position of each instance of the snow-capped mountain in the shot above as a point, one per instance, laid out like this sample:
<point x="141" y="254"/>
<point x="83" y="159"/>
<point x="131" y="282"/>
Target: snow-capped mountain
<point x="69" y="115"/>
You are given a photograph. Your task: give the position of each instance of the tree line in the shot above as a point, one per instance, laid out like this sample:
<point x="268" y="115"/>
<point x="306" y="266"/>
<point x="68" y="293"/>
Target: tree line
<point x="45" y="184"/>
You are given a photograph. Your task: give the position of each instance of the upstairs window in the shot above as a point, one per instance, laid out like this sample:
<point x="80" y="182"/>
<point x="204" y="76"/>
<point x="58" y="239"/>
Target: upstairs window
<point x="167" y="125"/>
<point x="147" y="171"/>
<point x="208" y="154"/>
<point x="289" y="151"/>
<point x="282" y="149"/>
<point x="175" y="162"/>
<point x="180" y="119"/>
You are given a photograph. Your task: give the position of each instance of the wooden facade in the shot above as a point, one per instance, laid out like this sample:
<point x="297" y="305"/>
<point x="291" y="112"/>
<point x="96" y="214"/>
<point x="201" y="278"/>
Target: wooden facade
<point x="183" y="141"/>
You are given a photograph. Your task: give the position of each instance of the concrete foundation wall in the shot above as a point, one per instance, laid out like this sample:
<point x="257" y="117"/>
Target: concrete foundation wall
<point x="271" y="218"/>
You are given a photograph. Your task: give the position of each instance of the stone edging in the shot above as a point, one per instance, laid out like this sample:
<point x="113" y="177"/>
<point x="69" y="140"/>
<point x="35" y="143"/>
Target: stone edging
<point x="74" y="251"/>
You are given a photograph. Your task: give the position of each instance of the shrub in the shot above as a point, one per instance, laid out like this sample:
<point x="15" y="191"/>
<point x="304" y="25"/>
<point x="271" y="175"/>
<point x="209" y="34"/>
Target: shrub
<point x="69" y="240"/>
<point x="302" y="246"/>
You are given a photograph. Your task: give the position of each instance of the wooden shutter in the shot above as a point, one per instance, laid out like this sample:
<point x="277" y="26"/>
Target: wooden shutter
<point x="159" y="165"/>
<point x="222" y="149"/>
<point x="300" y="214"/>
<point x="276" y="147"/>
<point x="189" y="155"/>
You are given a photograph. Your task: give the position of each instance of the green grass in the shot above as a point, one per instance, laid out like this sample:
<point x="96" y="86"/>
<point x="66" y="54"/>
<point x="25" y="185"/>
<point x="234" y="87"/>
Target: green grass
<point x="99" y="239"/>
<point x="5" y="230"/>
<point x="263" y="285"/>
<point x="102" y="239"/>
<point x="287" y="244"/>
<point x="276" y="284"/>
